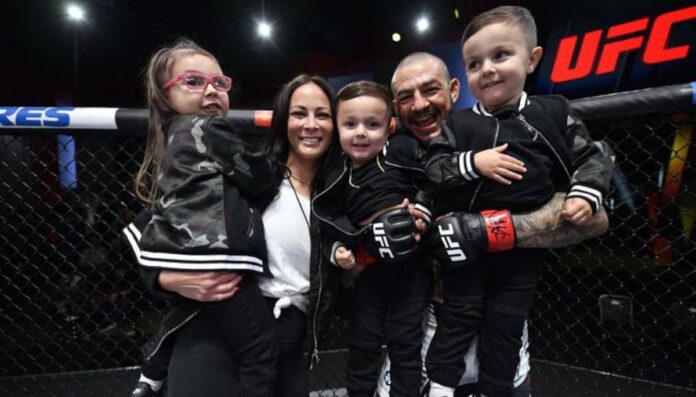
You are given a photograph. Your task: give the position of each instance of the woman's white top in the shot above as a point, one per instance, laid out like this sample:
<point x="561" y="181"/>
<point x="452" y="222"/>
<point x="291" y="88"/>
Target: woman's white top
<point x="288" y="243"/>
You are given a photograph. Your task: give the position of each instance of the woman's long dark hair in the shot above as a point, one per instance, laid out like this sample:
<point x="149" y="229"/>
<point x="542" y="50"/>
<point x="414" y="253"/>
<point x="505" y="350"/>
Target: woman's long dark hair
<point x="279" y="145"/>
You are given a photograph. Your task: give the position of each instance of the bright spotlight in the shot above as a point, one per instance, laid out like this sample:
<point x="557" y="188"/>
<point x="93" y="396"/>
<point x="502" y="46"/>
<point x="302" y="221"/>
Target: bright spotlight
<point x="422" y="24"/>
<point x="76" y="13"/>
<point x="396" y="37"/>
<point x="264" y="30"/>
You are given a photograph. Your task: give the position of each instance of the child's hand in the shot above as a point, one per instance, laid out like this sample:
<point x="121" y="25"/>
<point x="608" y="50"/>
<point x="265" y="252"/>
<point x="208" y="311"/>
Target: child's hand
<point x="344" y="258"/>
<point x="418" y="216"/>
<point x="354" y="272"/>
<point x="577" y="211"/>
<point x="493" y="164"/>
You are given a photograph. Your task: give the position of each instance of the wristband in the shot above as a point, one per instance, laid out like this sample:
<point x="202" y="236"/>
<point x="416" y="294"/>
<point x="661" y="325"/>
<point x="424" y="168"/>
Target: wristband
<point x="500" y="231"/>
<point x="363" y="258"/>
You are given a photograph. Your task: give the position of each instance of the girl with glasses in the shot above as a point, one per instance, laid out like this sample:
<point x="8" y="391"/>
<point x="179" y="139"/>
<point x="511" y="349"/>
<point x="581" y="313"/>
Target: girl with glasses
<point x="201" y="241"/>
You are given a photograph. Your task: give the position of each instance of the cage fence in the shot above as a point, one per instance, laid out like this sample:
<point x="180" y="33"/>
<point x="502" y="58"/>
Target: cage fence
<point x="618" y="311"/>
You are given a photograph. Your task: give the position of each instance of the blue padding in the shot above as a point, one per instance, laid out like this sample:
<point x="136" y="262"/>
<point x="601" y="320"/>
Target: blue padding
<point x="67" y="167"/>
<point x="693" y="92"/>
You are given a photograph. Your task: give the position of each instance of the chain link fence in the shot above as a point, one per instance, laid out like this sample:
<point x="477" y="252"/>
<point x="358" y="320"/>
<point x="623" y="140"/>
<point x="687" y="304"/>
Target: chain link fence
<point x="74" y="314"/>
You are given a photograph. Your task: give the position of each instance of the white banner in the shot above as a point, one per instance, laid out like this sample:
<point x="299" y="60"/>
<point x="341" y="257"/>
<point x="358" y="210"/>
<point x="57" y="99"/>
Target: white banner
<point x="58" y="117"/>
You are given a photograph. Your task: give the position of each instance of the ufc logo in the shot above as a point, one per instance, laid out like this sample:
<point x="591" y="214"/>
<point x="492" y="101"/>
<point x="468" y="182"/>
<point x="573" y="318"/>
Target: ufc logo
<point x="452" y="247"/>
<point x="655" y="51"/>
<point x="381" y="239"/>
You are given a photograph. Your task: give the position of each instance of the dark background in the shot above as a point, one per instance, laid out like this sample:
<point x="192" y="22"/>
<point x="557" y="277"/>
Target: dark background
<point x="332" y="38"/>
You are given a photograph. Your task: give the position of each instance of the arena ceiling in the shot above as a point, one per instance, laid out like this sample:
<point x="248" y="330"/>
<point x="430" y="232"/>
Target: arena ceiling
<point x="48" y="60"/>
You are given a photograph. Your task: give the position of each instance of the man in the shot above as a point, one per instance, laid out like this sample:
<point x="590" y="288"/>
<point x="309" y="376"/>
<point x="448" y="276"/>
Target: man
<point x="424" y="94"/>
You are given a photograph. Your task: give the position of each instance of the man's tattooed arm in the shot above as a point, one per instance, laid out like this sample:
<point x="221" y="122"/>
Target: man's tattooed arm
<point x="545" y="228"/>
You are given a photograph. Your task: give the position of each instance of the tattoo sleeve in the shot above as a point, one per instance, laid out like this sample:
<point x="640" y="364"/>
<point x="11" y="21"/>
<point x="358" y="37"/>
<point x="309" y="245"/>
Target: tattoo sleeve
<point x="546" y="228"/>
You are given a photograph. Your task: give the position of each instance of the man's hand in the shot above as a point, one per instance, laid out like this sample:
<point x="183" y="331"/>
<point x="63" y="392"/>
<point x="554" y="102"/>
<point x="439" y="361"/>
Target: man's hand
<point x="577" y="211"/>
<point x="422" y="219"/>
<point x="391" y="236"/>
<point x="448" y="241"/>
<point x="458" y="238"/>
<point x="493" y="164"/>
<point x="201" y="286"/>
<point x="344" y="258"/>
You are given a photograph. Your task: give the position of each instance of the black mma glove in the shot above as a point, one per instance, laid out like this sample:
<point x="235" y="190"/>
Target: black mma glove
<point x="457" y="239"/>
<point x="391" y="236"/>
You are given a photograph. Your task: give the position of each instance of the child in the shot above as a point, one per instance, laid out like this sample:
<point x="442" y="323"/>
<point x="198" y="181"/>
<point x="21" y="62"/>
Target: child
<point x="203" y="212"/>
<point x="362" y="199"/>
<point x="504" y="135"/>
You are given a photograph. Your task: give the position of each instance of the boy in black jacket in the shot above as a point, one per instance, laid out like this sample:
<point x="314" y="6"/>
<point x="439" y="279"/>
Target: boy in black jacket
<point x="363" y="206"/>
<point x="506" y="134"/>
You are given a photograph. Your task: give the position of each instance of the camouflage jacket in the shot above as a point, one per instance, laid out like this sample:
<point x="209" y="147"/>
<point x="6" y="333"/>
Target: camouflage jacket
<point x="323" y="285"/>
<point x="206" y="217"/>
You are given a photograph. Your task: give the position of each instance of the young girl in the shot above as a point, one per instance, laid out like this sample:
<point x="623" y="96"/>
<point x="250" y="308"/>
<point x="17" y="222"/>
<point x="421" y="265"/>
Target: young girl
<point x="204" y="179"/>
<point x="362" y="207"/>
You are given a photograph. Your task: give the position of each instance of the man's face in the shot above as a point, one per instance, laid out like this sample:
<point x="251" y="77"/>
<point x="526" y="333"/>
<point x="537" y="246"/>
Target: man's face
<point x="423" y="97"/>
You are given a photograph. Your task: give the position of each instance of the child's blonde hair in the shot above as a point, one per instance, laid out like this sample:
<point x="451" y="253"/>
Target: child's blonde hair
<point x="160" y="112"/>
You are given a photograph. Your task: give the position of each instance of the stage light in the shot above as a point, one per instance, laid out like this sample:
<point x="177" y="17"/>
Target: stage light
<point x="396" y="37"/>
<point x="76" y="13"/>
<point x="422" y="24"/>
<point x="264" y="29"/>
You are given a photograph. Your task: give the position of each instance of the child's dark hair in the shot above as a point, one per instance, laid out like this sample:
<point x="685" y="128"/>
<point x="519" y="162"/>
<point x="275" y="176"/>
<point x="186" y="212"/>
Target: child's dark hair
<point x="365" y="88"/>
<point x="516" y="15"/>
<point x="160" y="112"/>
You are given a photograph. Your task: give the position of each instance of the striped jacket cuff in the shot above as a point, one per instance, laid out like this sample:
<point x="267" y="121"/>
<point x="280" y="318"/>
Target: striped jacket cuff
<point x="589" y="194"/>
<point x="181" y="261"/>
<point x="425" y="210"/>
<point x="466" y="165"/>
<point x="334" y="247"/>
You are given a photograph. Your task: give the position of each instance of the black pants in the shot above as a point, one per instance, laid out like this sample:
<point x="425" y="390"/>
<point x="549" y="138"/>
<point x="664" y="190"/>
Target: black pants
<point x="228" y="349"/>
<point x="156" y="366"/>
<point x="388" y="298"/>
<point x="522" y="390"/>
<point x="292" y="362"/>
<point x="491" y="298"/>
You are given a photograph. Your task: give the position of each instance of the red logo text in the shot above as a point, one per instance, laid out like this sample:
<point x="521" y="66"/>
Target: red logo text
<point x="655" y="51"/>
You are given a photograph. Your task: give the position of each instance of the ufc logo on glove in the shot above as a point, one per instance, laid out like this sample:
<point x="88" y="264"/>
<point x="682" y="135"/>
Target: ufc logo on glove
<point x="452" y="247"/>
<point x="381" y="239"/>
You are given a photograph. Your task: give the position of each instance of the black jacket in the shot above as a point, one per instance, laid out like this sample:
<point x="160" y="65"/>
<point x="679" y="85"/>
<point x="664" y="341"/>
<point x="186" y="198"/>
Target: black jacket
<point x="402" y="152"/>
<point x="322" y="289"/>
<point x="542" y="133"/>
<point x="208" y="170"/>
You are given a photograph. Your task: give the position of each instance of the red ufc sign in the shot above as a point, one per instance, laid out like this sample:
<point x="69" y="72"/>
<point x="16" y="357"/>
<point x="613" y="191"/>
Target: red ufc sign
<point x="655" y="51"/>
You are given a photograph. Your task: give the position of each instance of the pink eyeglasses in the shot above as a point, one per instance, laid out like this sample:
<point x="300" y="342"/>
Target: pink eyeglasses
<point x="197" y="81"/>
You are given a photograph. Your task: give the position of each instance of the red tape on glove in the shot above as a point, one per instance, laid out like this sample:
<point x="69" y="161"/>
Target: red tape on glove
<point x="363" y="258"/>
<point x="499" y="229"/>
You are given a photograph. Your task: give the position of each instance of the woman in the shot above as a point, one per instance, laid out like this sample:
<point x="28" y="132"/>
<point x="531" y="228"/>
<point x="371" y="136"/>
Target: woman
<point x="301" y="292"/>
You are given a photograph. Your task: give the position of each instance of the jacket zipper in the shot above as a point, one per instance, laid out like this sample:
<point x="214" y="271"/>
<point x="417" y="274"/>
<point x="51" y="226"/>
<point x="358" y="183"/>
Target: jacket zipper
<point x="315" y="350"/>
<point x="250" y="226"/>
<point x="166" y="335"/>
<point x="326" y="220"/>
<point x="531" y="128"/>
<point x="404" y="167"/>
<point x="478" y="188"/>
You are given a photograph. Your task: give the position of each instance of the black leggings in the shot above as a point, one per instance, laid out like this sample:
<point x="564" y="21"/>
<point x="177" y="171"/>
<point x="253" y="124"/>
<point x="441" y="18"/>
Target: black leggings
<point x="491" y="298"/>
<point x="292" y="362"/>
<point x="228" y="349"/>
<point x="389" y="299"/>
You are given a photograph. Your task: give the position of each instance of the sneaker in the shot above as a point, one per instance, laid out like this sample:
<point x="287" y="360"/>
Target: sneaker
<point x="142" y="389"/>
